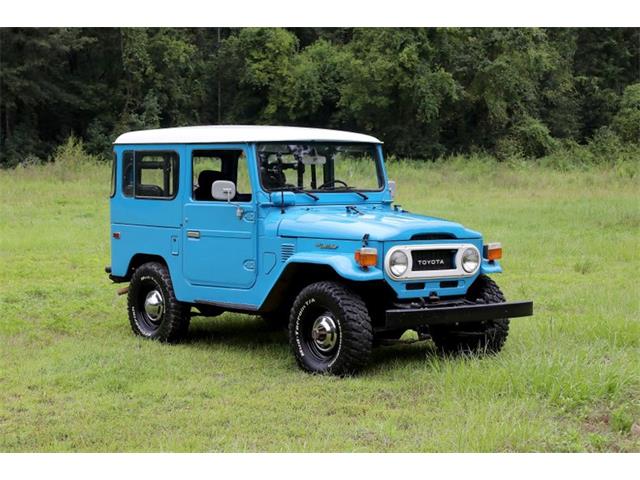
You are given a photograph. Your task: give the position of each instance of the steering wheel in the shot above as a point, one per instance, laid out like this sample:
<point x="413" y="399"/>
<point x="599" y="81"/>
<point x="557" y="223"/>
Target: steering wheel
<point x="333" y="182"/>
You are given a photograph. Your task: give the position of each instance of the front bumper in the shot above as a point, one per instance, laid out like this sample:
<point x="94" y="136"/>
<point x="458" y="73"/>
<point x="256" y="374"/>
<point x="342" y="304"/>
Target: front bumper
<point x="405" y="318"/>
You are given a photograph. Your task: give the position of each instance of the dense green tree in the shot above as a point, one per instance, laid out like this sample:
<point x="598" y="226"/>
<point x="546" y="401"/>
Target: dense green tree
<point x="605" y="62"/>
<point x="627" y="121"/>
<point x="38" y="89"/>
<point x="254" y="65"/>
<point x="395" y="88"/>
<point x="426" y="92"/>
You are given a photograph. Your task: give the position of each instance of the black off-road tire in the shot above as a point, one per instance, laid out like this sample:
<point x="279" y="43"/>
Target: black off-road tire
<point x="475" y="337"/>
<point x="172" y="325"/>
<point x="354" y="340"/>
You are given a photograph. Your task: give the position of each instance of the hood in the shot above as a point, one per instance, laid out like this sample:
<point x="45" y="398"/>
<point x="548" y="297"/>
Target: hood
<point x="381" y="224"/>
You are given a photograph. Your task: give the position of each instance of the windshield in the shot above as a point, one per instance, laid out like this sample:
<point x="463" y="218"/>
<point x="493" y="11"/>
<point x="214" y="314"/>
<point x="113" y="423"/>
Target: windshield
<point x="319" y="167"/>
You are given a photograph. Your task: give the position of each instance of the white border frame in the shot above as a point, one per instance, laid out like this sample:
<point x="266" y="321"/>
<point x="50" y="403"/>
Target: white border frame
<point x="330" y="13"/>
<point x="288" y="466"/>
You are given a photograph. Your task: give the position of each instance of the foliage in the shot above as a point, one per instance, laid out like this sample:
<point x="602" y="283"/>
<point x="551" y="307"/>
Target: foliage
<point x="70" y="159"/>
<point x="529" y="138"/>
<point x="627" y="121"/>
<point x="427" y="92"/>
<point x="255" y="66"/>
<point x="394" y="88"/>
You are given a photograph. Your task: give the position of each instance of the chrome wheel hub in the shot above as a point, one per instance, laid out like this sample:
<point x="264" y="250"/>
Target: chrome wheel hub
<point x="154" y="306"/>
<point x="324" y="333"/>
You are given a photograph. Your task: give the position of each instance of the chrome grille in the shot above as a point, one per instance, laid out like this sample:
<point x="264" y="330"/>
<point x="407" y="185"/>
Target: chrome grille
<point x="425" y="260"/>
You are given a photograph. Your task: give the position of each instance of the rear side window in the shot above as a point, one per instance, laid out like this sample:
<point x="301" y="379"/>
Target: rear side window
<point x="113" y="176"/>
<point x="127" y="174"/>
<point x="150" y="174"/>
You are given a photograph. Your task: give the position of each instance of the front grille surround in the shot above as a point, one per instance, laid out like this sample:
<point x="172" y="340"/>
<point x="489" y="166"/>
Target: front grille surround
<point x="412" y="274"/>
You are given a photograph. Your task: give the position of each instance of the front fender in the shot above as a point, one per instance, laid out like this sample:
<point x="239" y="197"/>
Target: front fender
<point x="344" y="265"/>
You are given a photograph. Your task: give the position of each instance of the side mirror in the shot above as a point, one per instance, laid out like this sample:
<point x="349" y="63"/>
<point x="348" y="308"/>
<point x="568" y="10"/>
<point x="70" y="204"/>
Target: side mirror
<point x="223" y="190"/>
<point x="392" y="188"/>
<point x="226" y="190"/>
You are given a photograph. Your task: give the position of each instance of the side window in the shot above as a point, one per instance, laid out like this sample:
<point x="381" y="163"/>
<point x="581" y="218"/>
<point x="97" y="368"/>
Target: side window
<point x="113" y="176"/>
<point x="243" y="181"/>
<point x="150" y="174"/>
<point x="212" y="165"/>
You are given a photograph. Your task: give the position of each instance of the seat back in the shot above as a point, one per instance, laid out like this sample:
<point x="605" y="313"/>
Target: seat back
<point x="205" y="181"/>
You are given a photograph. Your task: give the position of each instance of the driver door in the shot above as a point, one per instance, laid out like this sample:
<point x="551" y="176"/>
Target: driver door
<point x="220" y="246"/>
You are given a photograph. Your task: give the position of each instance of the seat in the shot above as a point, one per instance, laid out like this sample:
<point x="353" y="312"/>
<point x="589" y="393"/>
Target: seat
<point x="273" y="178"/>
<point x="205" y="181"/>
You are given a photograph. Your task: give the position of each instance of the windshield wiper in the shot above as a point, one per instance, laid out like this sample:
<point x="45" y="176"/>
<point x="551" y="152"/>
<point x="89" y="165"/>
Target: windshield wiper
<point x="295" y="190"/>
<point x="344" y="186"/>
<point x="351" y="189"/>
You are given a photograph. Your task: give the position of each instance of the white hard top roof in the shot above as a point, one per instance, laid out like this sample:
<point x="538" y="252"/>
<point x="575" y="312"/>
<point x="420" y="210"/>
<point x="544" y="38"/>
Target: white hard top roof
<point x="240" y="134"/>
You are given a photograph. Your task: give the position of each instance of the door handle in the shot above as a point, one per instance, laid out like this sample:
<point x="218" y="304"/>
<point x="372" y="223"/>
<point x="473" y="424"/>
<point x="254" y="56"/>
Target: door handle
<point x="193" y="234"/>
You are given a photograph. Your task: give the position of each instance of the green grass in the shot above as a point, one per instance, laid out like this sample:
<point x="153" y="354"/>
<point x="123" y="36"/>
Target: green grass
<point x="74" y="378"/>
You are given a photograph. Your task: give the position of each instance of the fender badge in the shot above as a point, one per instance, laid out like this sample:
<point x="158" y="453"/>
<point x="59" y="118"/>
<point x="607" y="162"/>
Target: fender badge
<point x="327" y="246"/>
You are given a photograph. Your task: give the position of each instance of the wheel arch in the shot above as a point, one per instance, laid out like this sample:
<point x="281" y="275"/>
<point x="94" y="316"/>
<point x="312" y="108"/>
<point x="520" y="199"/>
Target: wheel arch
<point x="298" y="274"/>
<point x="293" y="278"/>
<point x="140" y="259"/>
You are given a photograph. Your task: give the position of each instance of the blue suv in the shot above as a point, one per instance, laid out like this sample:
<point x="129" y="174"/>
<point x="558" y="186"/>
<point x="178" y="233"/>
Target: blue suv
<point x="296" y="225"/>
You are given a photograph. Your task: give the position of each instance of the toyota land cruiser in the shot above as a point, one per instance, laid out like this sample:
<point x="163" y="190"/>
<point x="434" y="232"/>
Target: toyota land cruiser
<point x="296" y="225"/>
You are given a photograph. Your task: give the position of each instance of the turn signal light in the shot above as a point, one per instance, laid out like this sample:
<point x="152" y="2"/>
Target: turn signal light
<point x="493" y="251"/>
<point x="367" y="257"/>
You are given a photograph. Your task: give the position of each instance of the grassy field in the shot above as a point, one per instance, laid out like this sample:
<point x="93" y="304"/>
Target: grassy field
<point x="74" y="378"/>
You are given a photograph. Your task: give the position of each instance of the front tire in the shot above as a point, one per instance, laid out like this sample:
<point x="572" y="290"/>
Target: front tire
<point x="154" y="311"/>
<point x="330" y="330"/>
<point x="474" y="337"/>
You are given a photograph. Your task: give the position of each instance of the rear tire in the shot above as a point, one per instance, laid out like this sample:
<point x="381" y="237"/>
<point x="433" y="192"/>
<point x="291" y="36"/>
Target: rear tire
<point x="330" y="330"/>
<point x="474" y="337"/>
<point x="154" y="311"/>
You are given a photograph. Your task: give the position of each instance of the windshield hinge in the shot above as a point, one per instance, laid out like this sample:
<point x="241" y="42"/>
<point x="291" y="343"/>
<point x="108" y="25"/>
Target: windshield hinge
<point x="353" y="209"/>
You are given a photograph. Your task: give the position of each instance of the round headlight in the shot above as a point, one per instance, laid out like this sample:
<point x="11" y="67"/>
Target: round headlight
<point x="398" y="263"/>
<point x="470" y="260"/>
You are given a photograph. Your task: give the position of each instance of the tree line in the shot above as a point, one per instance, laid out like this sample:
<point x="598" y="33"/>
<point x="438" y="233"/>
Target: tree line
<point x="427" y="92"/>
